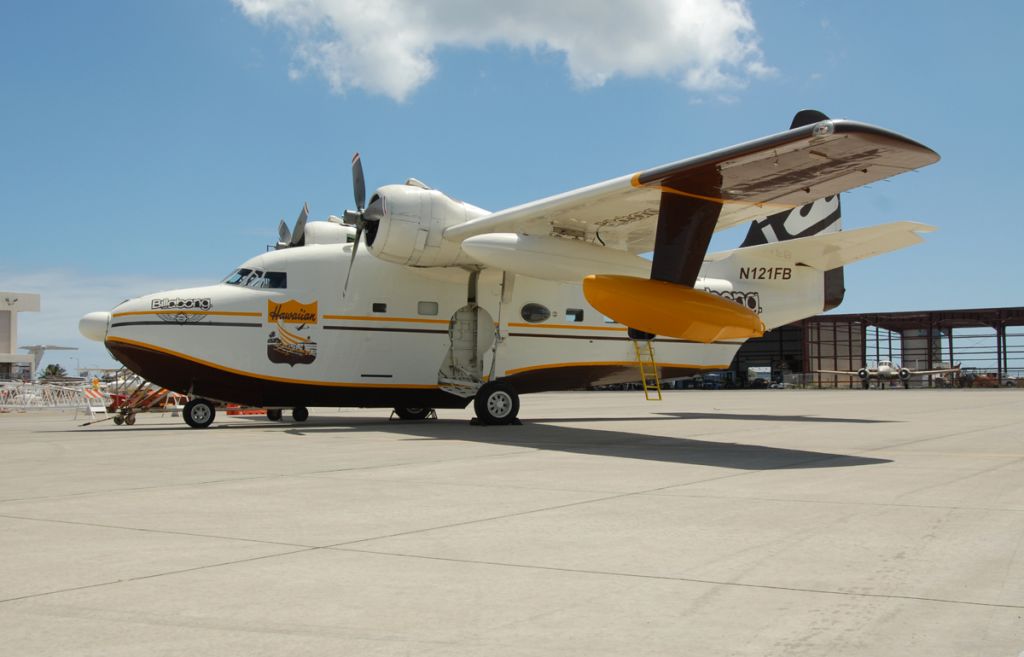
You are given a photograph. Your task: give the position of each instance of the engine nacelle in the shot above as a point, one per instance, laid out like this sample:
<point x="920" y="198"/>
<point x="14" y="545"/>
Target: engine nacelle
<point x="411" y="229"/>
<point x="863" y="374"/>
<point x="327" y="232"/>
<point x="904" y="374"/>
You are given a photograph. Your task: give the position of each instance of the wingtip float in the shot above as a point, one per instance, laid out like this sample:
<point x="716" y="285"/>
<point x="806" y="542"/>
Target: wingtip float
<point x="666" y="309"/>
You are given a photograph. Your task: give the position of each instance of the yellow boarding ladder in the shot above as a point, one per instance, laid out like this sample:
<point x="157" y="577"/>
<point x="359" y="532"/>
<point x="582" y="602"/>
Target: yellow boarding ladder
<point x="648" y="369"/>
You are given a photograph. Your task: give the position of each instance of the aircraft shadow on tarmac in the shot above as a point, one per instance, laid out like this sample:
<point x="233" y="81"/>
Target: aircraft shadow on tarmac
<point x="773" y="418"/>
<point x="534" y="434"/>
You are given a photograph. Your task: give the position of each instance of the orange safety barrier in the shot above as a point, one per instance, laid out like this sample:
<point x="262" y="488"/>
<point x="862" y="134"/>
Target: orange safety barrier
<point x="235" y="409"/>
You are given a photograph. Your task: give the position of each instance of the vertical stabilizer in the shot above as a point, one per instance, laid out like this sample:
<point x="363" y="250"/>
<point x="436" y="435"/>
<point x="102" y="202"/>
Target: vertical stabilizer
<point x="822" y="216"/>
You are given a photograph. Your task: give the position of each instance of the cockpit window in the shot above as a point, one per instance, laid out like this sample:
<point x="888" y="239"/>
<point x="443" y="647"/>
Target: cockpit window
<point x="277" y="280"/>
<point x="236" y="277"/>
<point x="258" y="279"/>
<point x="252" y="280"/>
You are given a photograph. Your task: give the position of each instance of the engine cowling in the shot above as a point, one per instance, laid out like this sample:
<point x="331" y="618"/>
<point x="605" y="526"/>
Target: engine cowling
<point x="904" y="374"/>
<point x="411" y="227"/>
<point x="863" y="374"/>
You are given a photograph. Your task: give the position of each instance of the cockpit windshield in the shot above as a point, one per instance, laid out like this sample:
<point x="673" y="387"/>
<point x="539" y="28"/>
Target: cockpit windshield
<point x="236" y="277"/>
<point x="255" y="278"/>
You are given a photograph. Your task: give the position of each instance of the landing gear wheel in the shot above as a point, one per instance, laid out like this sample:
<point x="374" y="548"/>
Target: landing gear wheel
<point x="413" y="413"/>
<point x="274" y="414"/>
<point x="300" y="413"/>
<point x="118" y="420"/>
<point x="129" y="419"/>
<point x="496" y="403"/>
<point x="199" y="413"/>
<point x="865" y="384"/>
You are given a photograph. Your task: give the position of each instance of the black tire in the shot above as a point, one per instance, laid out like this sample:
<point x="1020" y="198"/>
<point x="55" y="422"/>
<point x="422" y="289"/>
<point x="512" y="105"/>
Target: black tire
<point x="300" y="413"/>
<point x="199" y="413"/>
<point x="865" y="384"/>
<point x="129" y="419"/>
<point x="413" y="413"/>
<point x="496" y="402"/>
<point x="274" y="414"/>
<point x="118" y="420"/>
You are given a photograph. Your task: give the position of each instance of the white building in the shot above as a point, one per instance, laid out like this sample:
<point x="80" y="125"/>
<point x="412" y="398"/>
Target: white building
<point x="12" y="363"/>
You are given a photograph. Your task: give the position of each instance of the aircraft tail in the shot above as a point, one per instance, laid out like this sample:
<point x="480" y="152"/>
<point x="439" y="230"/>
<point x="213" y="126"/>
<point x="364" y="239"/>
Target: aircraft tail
<point x="821" y="217"/>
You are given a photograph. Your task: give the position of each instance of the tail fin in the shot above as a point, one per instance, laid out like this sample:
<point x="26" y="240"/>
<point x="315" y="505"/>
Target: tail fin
<point x="822" y="216"/>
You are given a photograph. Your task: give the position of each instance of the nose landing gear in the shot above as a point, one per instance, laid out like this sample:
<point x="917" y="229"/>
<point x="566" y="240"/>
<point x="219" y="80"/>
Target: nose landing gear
<point x="199" y="413"/>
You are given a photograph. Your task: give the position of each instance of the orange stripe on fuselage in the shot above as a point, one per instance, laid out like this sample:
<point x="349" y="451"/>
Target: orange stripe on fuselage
<point x="364" y="318"/>
<point x="574" y="327"/>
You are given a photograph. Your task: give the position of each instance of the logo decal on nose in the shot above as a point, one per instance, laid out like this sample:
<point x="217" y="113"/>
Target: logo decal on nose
<point x="182" y="311"/>
<point x="293" y="345"/>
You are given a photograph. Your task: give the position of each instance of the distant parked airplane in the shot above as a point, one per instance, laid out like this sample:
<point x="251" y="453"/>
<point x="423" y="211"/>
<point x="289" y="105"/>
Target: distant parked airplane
<point x="887" y="371"/>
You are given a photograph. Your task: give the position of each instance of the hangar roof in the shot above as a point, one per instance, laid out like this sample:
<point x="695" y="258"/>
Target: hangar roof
<point x="922" y="319"/>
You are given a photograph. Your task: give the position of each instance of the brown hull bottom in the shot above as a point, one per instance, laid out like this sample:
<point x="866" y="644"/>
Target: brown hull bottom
<point x="576" y="377"/>
<point x="183" y="375"/>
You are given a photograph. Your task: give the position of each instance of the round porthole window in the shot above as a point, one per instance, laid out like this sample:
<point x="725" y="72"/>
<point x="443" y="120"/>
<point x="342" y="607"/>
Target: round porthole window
<point x="534" y="312"/>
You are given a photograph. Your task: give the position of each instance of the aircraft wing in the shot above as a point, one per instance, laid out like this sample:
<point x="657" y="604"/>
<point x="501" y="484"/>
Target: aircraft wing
<point x="870" y="372"/>
<point x="830" y="250"/>
<point x="749" y="180"/>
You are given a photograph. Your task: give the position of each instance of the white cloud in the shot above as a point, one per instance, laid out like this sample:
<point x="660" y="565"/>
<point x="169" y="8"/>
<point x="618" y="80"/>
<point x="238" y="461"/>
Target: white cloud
<point x="388" y="46"/>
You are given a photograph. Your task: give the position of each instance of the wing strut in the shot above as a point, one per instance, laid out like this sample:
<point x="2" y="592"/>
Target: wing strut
<point x="685" y="226"/>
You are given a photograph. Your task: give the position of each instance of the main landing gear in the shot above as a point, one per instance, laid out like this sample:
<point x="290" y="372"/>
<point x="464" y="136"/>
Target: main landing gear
<point x="496" y="402"/>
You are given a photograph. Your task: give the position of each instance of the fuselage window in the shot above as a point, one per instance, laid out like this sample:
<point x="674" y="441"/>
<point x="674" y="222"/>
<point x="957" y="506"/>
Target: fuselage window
<point x="426" y="307"/>
<point x="534" y="313"/>
<point x="380" y="307"/>
<point x="574" y="314"/>
<point x="236" y="277"/>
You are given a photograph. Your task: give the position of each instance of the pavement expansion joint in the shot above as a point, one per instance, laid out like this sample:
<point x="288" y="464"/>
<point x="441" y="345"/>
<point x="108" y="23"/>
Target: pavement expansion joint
<point x="672" y="578"/>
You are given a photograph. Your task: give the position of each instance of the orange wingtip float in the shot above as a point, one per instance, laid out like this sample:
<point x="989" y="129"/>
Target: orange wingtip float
<point x="671" y="310"/>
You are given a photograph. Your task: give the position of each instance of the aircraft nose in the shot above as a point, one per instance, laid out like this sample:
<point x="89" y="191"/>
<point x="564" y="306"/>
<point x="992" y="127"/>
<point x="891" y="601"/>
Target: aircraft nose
<point x="94" y="325"/>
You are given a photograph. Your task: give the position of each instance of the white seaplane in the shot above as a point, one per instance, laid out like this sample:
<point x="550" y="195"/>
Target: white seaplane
<point x="418" y="301"/>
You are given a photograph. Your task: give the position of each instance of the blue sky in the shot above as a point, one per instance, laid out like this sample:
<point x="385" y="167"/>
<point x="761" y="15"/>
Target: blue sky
<point x="145" y="145"/>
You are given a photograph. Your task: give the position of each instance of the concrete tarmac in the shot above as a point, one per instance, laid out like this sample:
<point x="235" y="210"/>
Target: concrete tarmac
<point x="769" y="522"/>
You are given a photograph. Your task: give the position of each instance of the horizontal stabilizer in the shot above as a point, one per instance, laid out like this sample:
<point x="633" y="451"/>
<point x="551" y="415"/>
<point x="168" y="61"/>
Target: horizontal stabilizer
<point x="831" y="250"/>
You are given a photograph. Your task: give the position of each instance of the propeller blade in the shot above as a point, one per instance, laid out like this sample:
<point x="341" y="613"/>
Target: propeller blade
<point x="283" y="234"/>
<point x="352" y="260"/>
<point x="299" y="232"/>
<point x="358" y="182"/>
